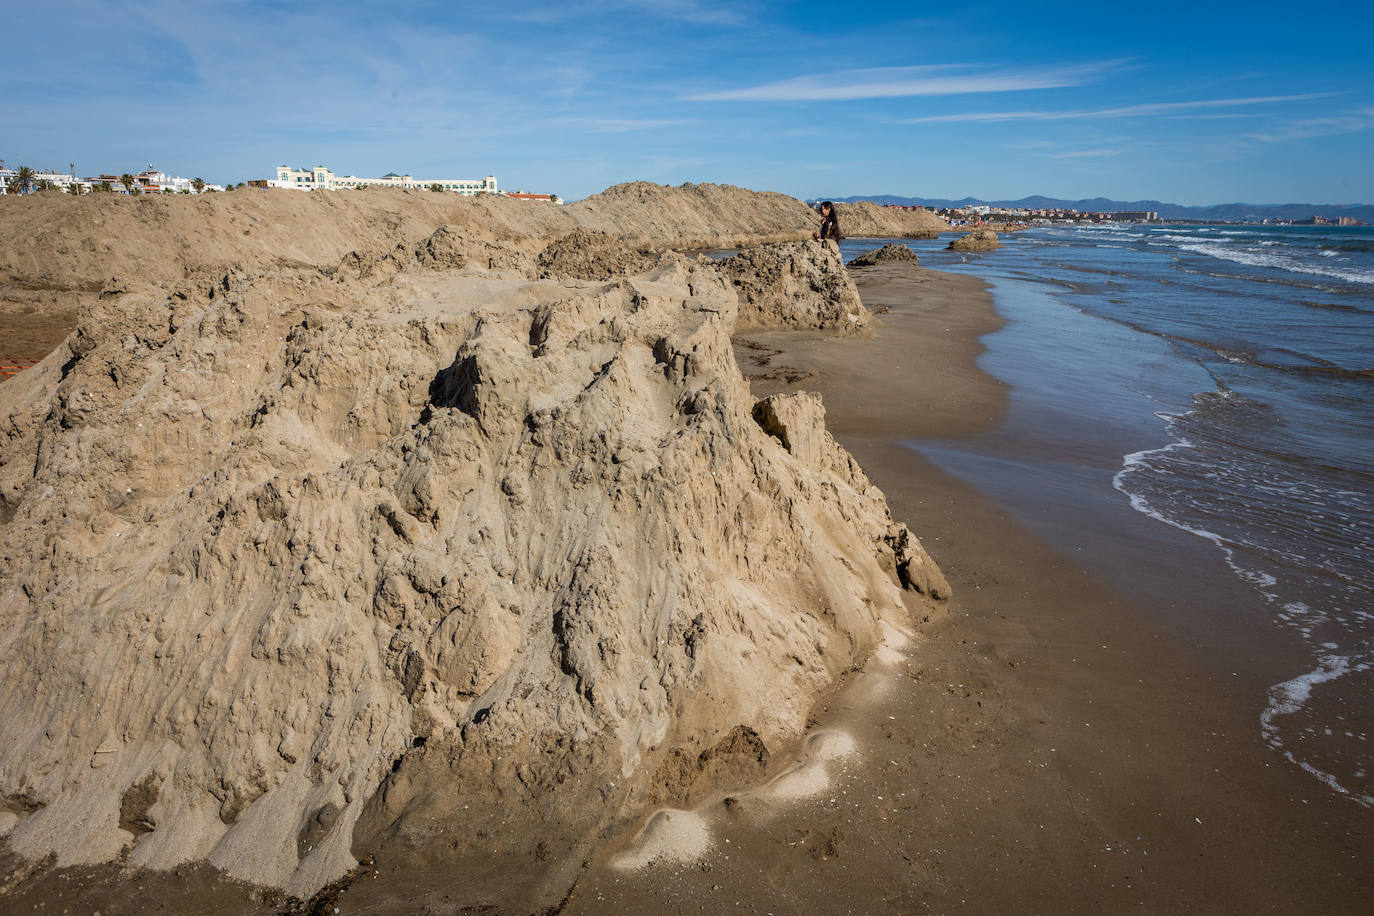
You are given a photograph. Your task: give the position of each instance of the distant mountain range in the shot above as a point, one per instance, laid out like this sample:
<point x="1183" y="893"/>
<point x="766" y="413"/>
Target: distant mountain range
<point x="1220" y="212"/>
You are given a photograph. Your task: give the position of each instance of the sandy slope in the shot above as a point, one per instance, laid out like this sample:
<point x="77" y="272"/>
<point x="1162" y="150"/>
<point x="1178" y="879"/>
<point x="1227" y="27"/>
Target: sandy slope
<point x="447" y="542"/>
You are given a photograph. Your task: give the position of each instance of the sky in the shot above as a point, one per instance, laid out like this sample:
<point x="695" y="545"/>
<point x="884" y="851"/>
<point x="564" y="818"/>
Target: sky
<point x="1191" y="103"/>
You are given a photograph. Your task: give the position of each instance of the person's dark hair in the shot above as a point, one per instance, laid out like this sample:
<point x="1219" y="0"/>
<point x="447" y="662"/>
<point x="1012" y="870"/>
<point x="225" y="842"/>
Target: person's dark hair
<point x="836" y="234"/>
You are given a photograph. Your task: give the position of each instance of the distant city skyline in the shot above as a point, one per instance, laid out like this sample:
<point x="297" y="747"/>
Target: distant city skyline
<point x="1194" y="104"/>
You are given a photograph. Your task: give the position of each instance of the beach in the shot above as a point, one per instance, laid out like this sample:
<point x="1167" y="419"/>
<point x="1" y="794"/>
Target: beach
<point x="1048" y="748"/>
<point x="1056" y="737"/>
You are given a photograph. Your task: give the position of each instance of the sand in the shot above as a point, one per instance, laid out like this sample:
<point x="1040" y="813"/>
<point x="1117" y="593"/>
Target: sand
<point x="466" y="548"/>
<point x="1038" y="747"/>
<point x="1047" y="749"/>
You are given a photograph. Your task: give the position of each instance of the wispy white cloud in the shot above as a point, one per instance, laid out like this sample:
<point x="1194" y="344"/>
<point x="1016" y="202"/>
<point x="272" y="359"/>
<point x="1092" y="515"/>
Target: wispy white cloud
<point x="1350" y="123"/>
<point x="1086" y="154"/>
<point x="1148" y="109"/>
<point x="623" y="125"/>
<point x="895" y="82"/>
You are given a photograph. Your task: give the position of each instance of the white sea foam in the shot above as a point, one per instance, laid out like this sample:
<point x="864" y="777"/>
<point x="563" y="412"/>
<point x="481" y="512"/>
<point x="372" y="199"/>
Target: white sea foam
<point x="1289" y="697"/>
<point x="1276" y="261"/>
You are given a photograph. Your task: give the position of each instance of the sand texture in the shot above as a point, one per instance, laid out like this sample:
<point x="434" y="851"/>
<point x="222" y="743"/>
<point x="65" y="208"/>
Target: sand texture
<point x="791" y="286"/>
<point x="977" y="240"/>
<point x="441" y="543"/>
<point x="892" y="251"/>
<point x="867" y="220"/>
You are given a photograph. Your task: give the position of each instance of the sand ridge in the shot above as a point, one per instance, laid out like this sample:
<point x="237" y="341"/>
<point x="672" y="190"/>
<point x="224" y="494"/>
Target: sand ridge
<point x="437" y="549"/>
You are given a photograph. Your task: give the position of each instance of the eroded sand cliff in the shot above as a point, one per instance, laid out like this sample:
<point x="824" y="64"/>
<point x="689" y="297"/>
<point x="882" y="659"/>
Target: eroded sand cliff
<point x="452" y="543"/>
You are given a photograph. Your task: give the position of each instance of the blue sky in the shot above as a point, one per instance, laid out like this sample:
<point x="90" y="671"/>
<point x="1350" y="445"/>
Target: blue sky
<point x="1191" y="103"/>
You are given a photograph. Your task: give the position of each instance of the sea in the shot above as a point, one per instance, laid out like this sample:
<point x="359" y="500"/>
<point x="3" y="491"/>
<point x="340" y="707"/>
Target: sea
<point x="1192" y="416"/>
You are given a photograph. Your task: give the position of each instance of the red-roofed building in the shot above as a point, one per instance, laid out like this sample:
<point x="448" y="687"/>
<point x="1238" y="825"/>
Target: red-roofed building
<point x="525" y="195"/>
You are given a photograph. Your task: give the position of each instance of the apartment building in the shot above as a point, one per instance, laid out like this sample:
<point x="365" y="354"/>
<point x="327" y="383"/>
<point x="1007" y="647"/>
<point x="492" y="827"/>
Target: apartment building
<point x="322" y="179"/>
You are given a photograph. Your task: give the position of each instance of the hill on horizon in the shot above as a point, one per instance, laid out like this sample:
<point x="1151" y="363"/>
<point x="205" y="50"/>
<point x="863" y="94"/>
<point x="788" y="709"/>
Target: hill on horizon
<point x="1227" y="212"/>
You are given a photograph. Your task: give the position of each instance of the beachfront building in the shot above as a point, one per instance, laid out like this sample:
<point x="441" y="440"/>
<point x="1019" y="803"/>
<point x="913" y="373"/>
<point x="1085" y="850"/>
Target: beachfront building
<point x="1134" y="216"/>
<point x="322" y="179"/>
<point x="149" y="181"/>
<point x="154" y="181"/>
<point x="9" y="181"/>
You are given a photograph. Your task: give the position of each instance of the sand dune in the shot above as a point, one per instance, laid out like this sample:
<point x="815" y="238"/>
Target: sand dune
<point x="389" y="519"/>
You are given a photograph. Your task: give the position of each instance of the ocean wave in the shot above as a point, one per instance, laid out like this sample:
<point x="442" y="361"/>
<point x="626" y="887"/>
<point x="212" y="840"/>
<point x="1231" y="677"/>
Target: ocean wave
<point x="1254" y="258"/>
<point x="1276" y="280"/>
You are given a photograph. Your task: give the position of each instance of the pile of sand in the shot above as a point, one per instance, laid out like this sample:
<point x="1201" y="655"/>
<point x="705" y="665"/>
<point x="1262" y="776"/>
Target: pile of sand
<point x="695" y="215"/>
<point x="66" y="243"/>
<point x="889" y="252"/>
<point x="413" y="548"/>
<point x="795" y="285"/>
<point x="977" y="240"/>
<point x="587" y="254"/>
<point x="867" y="220"/>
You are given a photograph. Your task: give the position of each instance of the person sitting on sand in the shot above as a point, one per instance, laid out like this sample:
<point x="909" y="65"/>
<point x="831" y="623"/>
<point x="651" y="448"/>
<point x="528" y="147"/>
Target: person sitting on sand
<point x="830" y="224"/>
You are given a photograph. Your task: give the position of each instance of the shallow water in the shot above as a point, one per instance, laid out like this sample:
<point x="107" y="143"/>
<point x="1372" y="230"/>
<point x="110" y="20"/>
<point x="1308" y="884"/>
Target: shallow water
<point x="1183" y="395"/>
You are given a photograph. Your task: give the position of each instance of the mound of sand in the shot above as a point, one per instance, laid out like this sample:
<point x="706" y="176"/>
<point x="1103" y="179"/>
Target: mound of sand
<point x="587" y="254"/>
<point x="695" y="215"/>
<point x="867" y="220"/>
<point x="415" y="549"/>
<point x="77" y="244"/>
<point x="797" y="285"/>
<point x="889" y="252"/>
<point x="977" y="240"/>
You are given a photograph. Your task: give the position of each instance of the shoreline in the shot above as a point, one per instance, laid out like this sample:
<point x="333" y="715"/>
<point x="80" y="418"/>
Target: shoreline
<point x="1075" y="757"/>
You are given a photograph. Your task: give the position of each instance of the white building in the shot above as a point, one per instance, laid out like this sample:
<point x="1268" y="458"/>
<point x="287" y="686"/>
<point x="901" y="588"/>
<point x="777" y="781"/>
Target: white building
<point x="149" y="181"/>
<point x="322" y="179"/>
<point x="61" y="180"/>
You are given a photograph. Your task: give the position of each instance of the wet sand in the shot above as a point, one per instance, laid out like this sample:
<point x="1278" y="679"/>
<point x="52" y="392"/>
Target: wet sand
<point x="1043" y="746"/>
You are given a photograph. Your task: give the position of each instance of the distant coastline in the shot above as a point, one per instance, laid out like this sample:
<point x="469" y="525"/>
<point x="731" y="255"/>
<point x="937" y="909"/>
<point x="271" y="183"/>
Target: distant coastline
<point x="1167" y="212"/>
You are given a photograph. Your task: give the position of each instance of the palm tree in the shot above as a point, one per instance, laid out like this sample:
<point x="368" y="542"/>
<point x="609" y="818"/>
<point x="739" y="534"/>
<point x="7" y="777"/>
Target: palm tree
<point x="24" y="178"/>
<point x="128" y="181"/>
<point x="198" y="184"/>
<point x="436" y="186"/>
